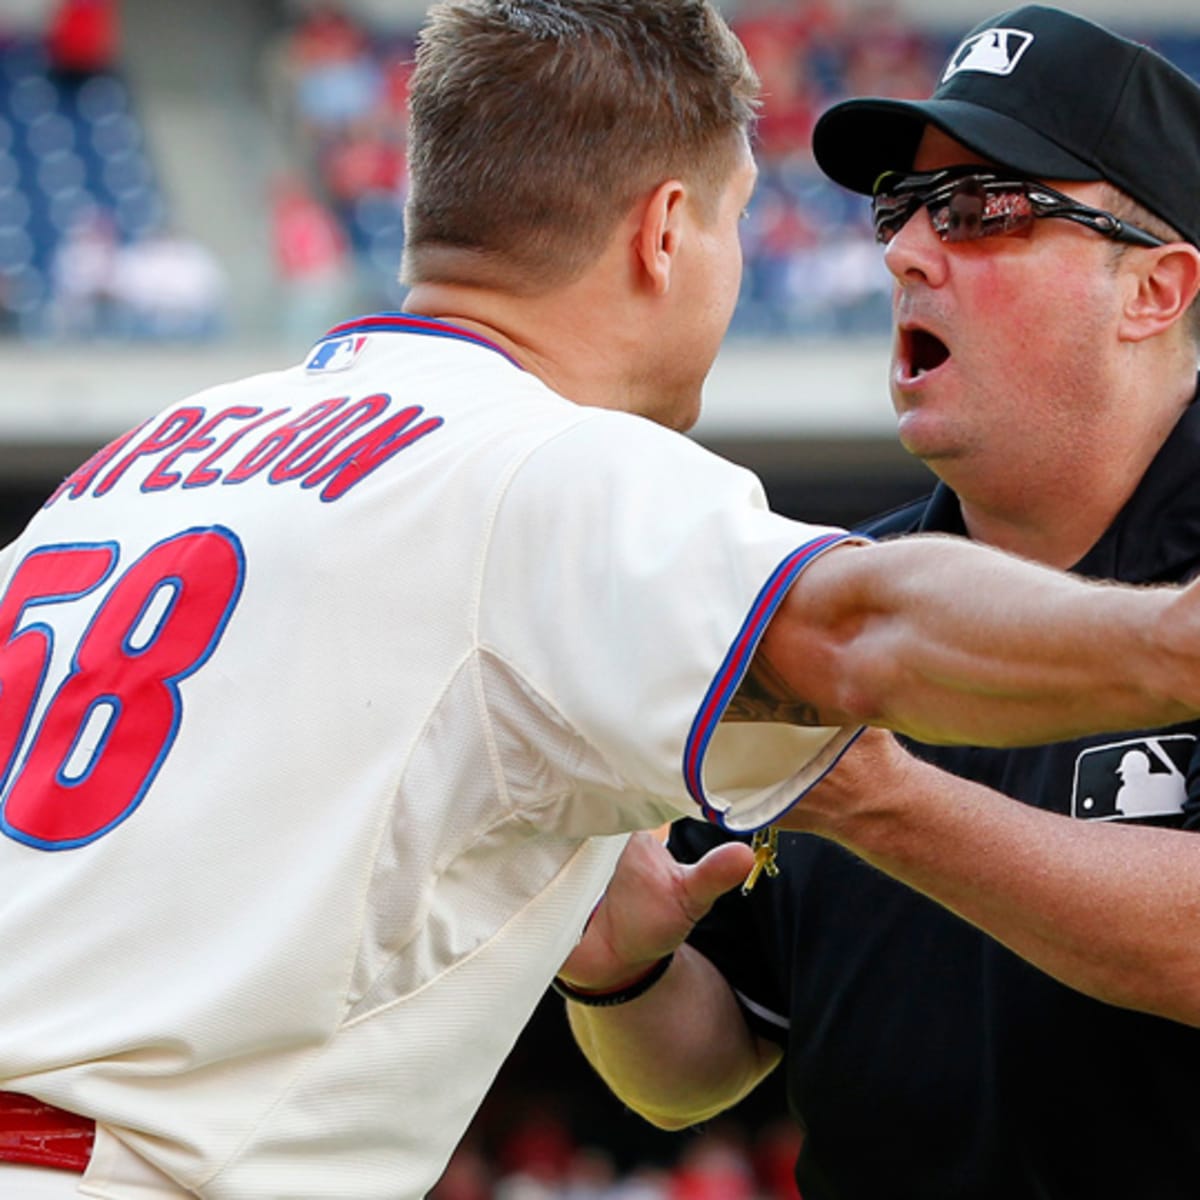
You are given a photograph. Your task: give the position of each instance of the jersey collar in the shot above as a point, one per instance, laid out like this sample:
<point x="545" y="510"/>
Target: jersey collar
<point x="399" y="322"/>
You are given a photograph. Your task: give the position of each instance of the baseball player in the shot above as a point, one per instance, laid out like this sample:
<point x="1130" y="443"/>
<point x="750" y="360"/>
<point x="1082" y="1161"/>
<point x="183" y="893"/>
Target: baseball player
<point x="327" y="697"/>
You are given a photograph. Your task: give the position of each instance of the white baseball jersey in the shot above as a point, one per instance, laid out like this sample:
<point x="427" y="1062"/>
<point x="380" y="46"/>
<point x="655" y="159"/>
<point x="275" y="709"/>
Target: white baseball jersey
<point x="326" y="700"/>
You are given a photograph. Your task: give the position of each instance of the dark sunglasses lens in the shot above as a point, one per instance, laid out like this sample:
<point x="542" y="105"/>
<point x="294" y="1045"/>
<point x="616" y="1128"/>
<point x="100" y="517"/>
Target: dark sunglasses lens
<point x="960" y="217"/>
<point x="891" y="213"/>
<point x="971" y="211"/>
<point x="962" y="211"/>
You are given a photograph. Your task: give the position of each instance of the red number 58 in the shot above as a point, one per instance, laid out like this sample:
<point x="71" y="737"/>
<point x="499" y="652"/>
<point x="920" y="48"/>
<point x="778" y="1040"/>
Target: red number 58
<point x="95" y="746"/>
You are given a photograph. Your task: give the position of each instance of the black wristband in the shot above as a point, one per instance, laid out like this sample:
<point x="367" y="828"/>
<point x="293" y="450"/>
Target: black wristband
<point x="622" y="995"/>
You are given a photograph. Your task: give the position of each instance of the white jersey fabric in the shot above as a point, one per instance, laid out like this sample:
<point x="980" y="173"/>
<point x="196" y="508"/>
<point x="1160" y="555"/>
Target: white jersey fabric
<point x="328" y="698"/>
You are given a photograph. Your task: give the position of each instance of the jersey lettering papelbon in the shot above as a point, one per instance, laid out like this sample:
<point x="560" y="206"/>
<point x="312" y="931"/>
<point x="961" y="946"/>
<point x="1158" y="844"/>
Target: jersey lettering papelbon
<point x="323" y="447"/>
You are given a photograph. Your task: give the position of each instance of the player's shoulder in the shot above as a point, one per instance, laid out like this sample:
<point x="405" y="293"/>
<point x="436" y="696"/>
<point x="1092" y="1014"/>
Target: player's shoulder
<point x="627" y="454"/>
<point x="640" y="434"/>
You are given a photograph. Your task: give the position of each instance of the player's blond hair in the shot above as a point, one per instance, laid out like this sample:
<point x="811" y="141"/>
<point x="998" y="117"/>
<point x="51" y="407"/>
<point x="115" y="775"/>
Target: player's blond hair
<point x="535" y="124"/>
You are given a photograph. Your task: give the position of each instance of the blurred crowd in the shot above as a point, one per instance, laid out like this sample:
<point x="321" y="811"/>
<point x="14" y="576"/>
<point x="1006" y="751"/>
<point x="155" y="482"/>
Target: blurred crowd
<point x="811" y="265"/>
<point x="539" y="1159"/>
<point x="88" y="250"/>
<point x="340" y="92"/>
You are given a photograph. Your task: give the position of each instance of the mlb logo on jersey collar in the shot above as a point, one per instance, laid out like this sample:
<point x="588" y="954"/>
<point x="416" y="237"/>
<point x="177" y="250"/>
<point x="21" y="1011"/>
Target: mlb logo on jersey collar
<point x="336" y="355"/>
<point x="995" y="51"/>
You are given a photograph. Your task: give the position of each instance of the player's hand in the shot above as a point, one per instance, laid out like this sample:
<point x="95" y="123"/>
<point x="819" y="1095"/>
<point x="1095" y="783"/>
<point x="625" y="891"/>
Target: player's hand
<point x="649" y="908"/>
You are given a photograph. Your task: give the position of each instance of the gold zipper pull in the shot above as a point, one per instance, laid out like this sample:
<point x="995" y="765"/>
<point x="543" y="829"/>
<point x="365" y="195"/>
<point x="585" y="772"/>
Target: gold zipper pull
<point x="765" y="844"/>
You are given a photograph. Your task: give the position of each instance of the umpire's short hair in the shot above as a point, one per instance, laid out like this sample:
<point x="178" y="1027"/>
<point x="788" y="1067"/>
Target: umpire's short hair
<point x="1122" y="205"/>
<point x="535" y="124"/>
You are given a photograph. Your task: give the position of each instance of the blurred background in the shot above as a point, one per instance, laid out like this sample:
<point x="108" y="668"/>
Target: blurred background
<point x="194" y="191"/>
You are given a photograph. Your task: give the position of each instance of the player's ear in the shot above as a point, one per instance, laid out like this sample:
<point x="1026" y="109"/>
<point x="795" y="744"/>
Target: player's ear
<point x="1164" y="282"/>
<point x="657" y="238"/>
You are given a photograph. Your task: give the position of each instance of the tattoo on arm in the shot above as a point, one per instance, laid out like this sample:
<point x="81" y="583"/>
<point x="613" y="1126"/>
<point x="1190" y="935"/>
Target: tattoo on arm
<point x="764" y="696"/>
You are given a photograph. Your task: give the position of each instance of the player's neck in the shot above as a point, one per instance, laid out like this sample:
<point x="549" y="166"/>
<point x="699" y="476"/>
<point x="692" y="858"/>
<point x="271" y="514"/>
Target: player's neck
<point x="579" y="359"/>
<point x="465" y="307"/>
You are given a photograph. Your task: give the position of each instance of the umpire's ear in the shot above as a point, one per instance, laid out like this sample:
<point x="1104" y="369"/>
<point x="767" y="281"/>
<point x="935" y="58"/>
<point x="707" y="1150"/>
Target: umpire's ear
<point x="1162" y="282"/>
<point x="657" y="237"/>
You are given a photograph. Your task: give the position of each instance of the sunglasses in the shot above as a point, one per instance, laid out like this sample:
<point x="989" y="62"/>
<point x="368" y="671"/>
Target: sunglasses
<point x="966" y="204"/>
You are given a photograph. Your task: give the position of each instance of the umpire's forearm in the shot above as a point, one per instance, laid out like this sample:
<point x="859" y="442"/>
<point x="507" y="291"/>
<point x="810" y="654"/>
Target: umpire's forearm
<point x="681" y="1052"/>
<point x="950" y="642"/>
<point x="1108" y="908"/>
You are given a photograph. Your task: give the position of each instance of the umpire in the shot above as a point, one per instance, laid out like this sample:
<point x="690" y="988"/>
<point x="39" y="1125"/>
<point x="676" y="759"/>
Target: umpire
<point x="1003" y="1004"/>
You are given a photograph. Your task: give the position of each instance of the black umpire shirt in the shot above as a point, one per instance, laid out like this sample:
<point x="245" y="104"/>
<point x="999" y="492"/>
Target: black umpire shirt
<point x="926" y="1061"/>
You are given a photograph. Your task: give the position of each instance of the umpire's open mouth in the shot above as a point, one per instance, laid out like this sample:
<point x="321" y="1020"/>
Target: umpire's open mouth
<point x="920" y="352"/>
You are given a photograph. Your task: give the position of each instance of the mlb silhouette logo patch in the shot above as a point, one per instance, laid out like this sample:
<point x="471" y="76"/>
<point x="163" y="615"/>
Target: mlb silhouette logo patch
<point x="336" y="355"/>
<point x="1140" y="777"/>
<point x="993" y="52"/>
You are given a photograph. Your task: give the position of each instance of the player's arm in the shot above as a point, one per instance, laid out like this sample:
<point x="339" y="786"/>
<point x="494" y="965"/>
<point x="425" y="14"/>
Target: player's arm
<point x="950" y="641"/>
<point x="681" y="1052"/>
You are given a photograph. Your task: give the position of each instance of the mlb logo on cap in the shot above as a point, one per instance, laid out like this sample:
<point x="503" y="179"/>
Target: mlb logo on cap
<point x="994" y="51"/>
<point x="1049" y="95"/>
<point x="335" y="355"/>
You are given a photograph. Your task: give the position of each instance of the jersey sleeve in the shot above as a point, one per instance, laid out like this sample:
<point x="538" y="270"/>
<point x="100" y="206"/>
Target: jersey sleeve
<point x="629" y="577"/>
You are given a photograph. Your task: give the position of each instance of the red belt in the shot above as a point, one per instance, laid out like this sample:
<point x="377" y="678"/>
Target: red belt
<point x="41" y="1135"/>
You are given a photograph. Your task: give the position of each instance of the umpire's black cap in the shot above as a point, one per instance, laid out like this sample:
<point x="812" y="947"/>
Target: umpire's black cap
<point x="1046" y="93"/>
